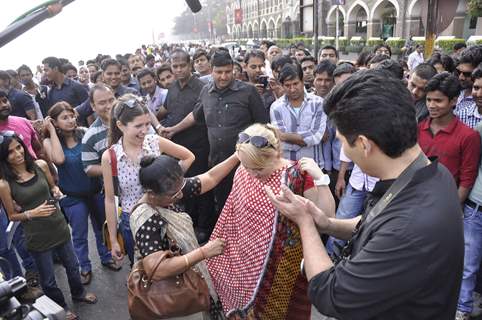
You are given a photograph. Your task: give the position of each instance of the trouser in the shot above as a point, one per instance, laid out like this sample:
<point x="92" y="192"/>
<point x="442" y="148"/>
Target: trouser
<point x="45" y="264"/>
<point x="472" y="255"/>
<point x="351" y="205"/>
<point x="333" y="179"/>
<point x="125" y="229"/>
<point x="8" y="254"/>
<point x="78" y="215"/>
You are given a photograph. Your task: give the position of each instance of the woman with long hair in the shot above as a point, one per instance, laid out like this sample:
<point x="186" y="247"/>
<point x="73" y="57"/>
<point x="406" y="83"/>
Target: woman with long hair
<point x="129" y="140"/>
<point x="45" y="228"/>
<point x="258" y="276"/>
<point x="157" y="220"/>
<point x="63" y="147"/>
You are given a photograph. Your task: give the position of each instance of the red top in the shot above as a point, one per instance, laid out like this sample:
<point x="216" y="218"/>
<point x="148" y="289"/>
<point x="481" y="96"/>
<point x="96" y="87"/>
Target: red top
<point x="456" y="146"/>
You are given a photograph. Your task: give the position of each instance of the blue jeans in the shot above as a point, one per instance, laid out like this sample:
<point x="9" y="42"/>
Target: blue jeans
<point x="472" y="256"/>
<point x="125" y="229"/>
<point x="5" y="252"/>
<point x="77" y="214"/>
<point x="45" y="264"/>
<point x="351" y="205"/>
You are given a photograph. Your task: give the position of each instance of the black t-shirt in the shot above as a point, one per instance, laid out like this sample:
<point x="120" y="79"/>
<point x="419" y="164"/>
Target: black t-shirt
<point x="407" y="262"/>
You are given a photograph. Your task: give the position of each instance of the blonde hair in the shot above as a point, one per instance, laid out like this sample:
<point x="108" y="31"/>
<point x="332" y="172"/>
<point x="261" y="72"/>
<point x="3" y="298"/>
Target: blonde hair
<point x="261" y="156"/>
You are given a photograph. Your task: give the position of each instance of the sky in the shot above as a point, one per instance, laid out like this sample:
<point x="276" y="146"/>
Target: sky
<point x="85" y="28"/>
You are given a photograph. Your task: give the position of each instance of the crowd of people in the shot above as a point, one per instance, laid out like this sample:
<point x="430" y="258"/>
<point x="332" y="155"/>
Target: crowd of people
<point x="251" y="161"/>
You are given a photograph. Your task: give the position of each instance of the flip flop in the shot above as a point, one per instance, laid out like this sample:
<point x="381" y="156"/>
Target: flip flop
<point x="88" y="298"/>
<point x="86" y="277"/>
<point x="111" y="265"/>
<point x="69" y="315"/>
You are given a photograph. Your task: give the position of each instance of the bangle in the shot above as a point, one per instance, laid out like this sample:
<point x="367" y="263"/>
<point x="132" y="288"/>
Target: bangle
<point x="158" y="127"/>
<point x="27" y="215"/>
<point x="202" y="252"/>
<point x="187" y="261"/>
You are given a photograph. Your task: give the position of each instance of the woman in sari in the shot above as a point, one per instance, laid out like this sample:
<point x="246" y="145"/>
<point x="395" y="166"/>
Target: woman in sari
<point x="258" y="276"/>
<point x="157" y="221"/>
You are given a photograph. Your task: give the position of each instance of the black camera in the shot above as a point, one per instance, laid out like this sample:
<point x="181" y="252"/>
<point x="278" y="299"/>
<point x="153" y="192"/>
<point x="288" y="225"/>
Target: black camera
<point x="262" y="80"/>
<point x="11" y="308"/>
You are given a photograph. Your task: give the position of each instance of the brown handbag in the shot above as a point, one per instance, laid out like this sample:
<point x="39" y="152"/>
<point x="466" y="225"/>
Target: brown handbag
<point x="154" y="295"/>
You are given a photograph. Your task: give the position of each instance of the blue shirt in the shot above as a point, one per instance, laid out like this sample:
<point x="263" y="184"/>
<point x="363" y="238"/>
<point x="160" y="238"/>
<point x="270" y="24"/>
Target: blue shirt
<point x="463" y="102"/>
<point x="470" y="115"/>
<point x="21" y="102"/>
<point x="70" y="91"/>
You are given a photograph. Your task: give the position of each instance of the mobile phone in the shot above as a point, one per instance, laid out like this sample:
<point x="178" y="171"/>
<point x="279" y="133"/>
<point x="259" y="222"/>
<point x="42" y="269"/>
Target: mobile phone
<point x="52" y="201"/>
<point x="262" y="80"/>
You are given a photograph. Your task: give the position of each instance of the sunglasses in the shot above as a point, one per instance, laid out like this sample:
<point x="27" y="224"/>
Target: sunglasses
<point x="466" y="74"/>
<point x="5" y="134"/>
<point x="257" y="141"/>
<point x="131" y="104"/>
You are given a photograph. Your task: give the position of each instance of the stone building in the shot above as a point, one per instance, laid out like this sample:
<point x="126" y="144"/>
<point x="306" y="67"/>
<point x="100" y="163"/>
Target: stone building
<point x="365" y="18"/>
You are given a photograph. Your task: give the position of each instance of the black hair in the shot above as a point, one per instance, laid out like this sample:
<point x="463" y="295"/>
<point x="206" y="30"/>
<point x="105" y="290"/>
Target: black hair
<point x="24" y="67"/>
<point x="221" y="58"/>
<point x="145" y="72"/>
<point x="68" y="66"/>
<point x="378" y="58"/>
<point x="6" y="170"/>
<point x="325" y="66"/>
<point x="446" y="83"/>
<point x="363" y="58"/>
<point x="12" y="73"/>
<point x="477" y="73"/>
<point x="392" y="67"/>
<point x="96" y="75"/>
<point x="290" y="72"/>
<point x="364" y="105"/>
<point x="330" y="47"/>
<point x="110" y="62"/>
<point x="98" y="87"/>
<point x="471" y="55"/>
<point x="182" y="53"/>
<point x="425" y="71"/>
<point x="459" y="45"/>
<point x="254" y="54"/>
<point x="160" y="174"/>
<point x="150" y="57"/>
<point x="123" y="62"/>
<point x="280" y="61"/>
<point x="267" y="43"/>
<point x="5" y="76"/>
<point x="163" y="67"/>
<point x="343" y="68"/>
<point x="445" y="60"/>
<point x="383" y="45"/>
<point x="121" y="112"/>
<point x="199" y="53"/>
<point x="53" y="63"/>
<point x="308" y="58"/>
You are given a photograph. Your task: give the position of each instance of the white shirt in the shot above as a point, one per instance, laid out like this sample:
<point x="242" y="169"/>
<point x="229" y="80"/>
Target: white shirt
<point x="414" y="59"/>
<point x="359" y="180"/>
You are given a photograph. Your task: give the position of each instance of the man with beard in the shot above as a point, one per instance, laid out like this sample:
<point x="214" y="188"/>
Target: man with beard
<point x="135" y="62"/>
<point x="469" y="60"/>
<point x="308" y="65"/>
<point x="416" y="85"/>
<point x="471" y="115"/>
<point x="126" y="76"/>
<point x="155" y="95"/>
<point x="22" y="104"/>
<point x="164" y="76"/>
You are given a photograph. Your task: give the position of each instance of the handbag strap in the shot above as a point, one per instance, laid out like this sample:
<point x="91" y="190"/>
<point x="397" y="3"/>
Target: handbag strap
<point x="156" y="266"/>
<point x="113" y="166"/>
<point x="400" y="183"/>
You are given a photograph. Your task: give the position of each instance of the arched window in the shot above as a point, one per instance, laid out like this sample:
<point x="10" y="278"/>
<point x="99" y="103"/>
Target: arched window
<point x="361" y="21"/>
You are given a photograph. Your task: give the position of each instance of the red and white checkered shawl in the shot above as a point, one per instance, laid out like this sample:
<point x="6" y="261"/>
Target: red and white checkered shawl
<point x="247" y="225"/>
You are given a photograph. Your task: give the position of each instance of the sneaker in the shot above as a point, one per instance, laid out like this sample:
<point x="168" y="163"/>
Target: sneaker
<point x="459" y="315"/>
<point x="31" y="294"/>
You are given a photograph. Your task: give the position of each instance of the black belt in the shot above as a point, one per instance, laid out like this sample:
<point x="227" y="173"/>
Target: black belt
<point x="473" y="205"/>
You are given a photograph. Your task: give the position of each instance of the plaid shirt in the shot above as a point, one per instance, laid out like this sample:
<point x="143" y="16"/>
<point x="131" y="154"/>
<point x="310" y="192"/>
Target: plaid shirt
<point x="470" y="115"/>
<point x="309" y="122"/>
<point x="463" y="102"/>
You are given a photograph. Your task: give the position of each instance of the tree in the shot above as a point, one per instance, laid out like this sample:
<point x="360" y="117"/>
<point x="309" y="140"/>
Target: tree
<point x="475" y="8"/>
<point x="188" y="23"/>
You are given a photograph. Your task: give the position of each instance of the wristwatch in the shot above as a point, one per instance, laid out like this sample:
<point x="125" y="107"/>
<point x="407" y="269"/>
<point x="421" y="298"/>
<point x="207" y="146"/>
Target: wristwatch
<point x="158" y="127"/>
<point x="323" y="181"/>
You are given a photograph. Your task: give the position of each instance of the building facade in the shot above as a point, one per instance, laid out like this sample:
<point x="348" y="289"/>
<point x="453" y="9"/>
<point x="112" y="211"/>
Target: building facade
<point x="363" y="18"/>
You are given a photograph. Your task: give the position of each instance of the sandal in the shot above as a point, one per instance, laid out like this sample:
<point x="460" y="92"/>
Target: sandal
<point x="112" y="265"/>
<point x="88" y="298"/>
<point x="69" y="315"/>
<point x="86" y="277"/>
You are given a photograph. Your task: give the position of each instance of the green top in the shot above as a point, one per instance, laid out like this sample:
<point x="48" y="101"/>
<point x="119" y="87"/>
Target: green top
<point x="42" y="233"/>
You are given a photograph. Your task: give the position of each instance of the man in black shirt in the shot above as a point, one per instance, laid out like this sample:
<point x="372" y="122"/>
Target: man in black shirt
<point x="226" y="107"/>
<point x="406" y="262"/>
<point x="180" y="101"/>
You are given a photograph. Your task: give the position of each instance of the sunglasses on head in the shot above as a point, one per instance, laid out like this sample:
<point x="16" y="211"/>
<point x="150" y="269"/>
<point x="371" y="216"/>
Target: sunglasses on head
<point x="257" y="141"/>
<point x="131" y="104"/>
<point x="5" y="134"/>
<point x="466" y="74"/>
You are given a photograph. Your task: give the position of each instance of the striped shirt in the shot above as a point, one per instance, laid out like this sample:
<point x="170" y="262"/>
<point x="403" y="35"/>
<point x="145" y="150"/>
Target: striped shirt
<point x="470" y="115"/>
<point x="94" y="143"/>
<point x="309" y="121"/>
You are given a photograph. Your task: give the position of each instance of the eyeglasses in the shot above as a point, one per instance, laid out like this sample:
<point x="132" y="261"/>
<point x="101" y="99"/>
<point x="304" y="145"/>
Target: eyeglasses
<point x="176" y="195"/>
<point x="257" y="141"/>
<point x="466" y="74"/>
<point x="5" y="134"/>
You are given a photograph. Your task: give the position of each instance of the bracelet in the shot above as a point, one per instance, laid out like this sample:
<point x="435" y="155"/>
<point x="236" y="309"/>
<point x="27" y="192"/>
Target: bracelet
<point x="202" y="252"/>
<point x="187" y="261"/>
<point x="158" y="127"/>
<point x="27" y="215"/>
